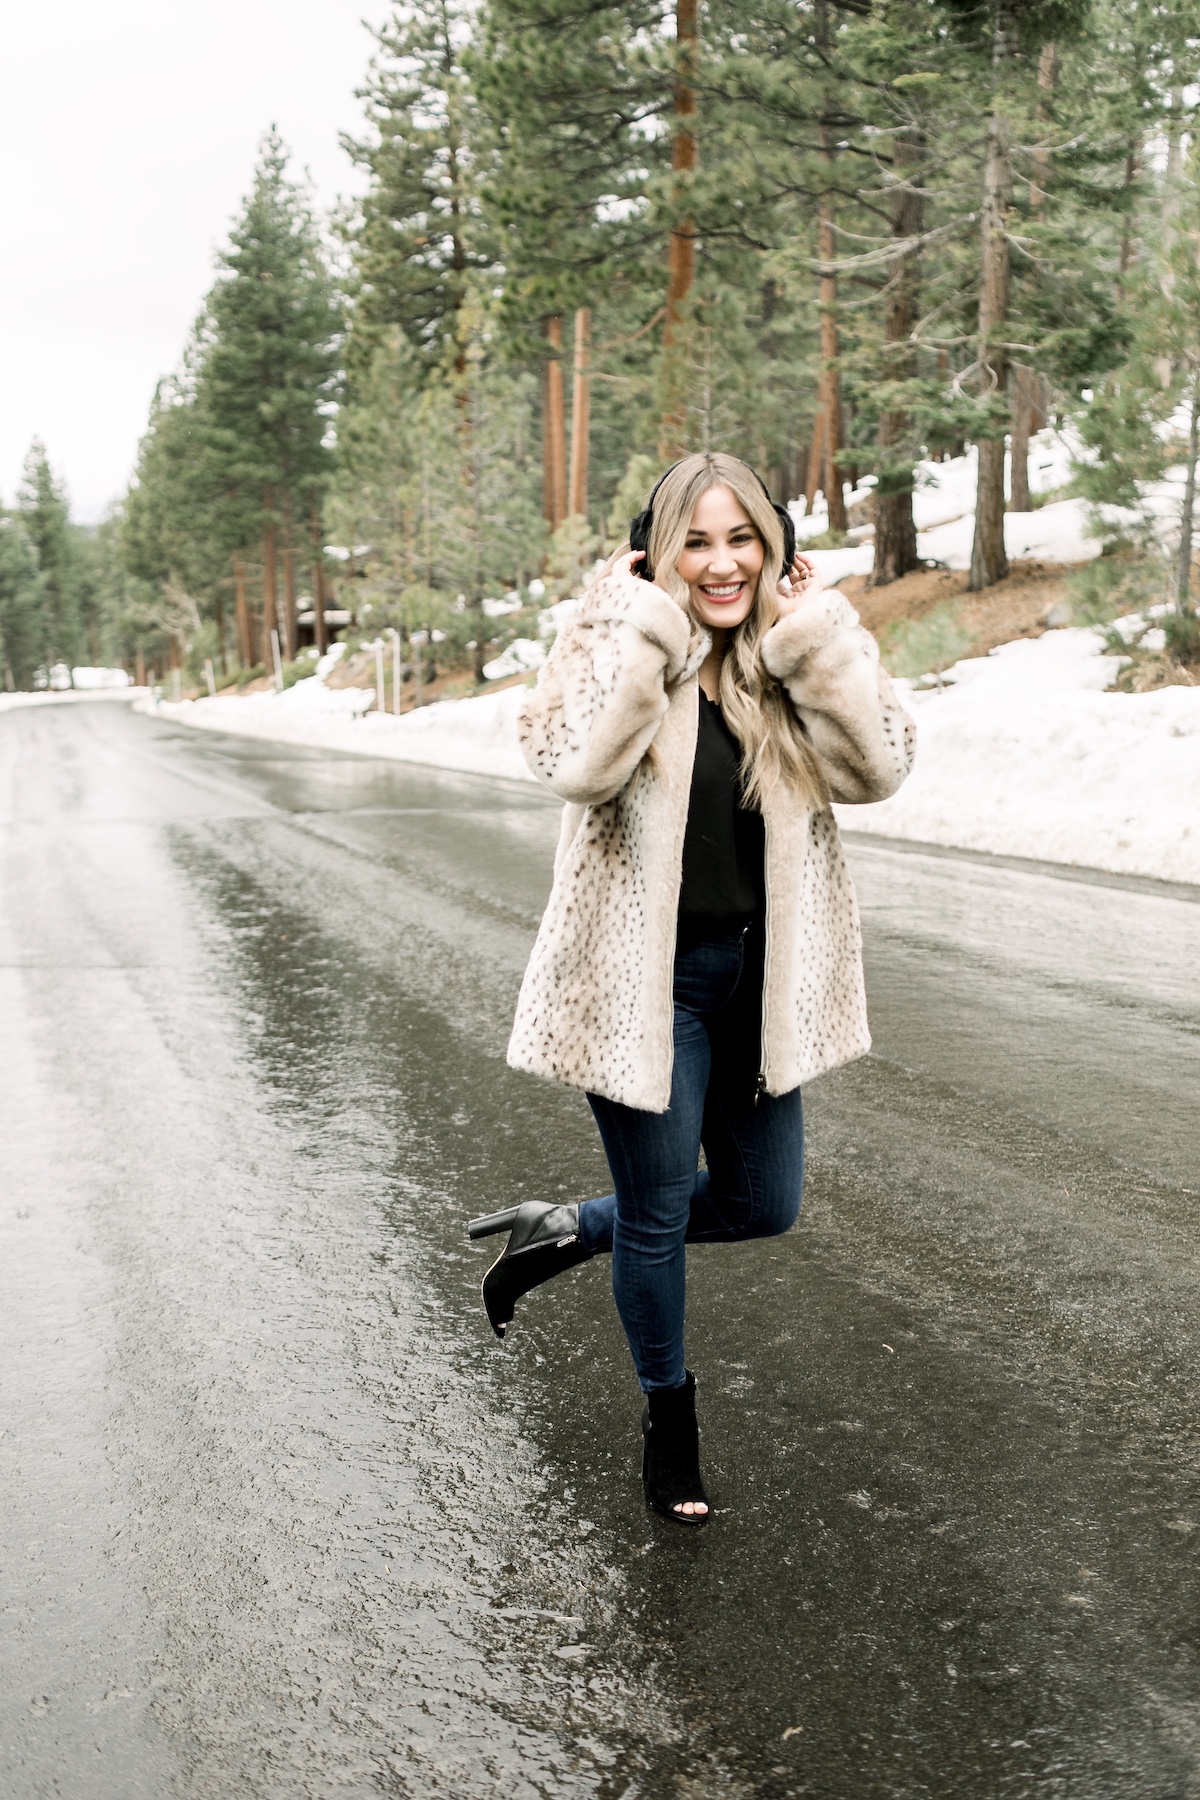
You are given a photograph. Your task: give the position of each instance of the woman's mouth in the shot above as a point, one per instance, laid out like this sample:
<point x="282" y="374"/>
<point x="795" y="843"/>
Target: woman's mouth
<point x="723" y="592"/>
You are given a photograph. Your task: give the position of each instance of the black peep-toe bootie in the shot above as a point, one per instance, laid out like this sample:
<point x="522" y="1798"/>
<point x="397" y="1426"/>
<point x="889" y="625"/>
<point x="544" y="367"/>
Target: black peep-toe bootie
<point x="671" y="1453"/>
<point x="543" y="1241"/>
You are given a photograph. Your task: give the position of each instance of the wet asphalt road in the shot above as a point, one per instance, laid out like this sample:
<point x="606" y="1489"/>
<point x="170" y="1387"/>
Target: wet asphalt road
<point x="280" y="1518"/>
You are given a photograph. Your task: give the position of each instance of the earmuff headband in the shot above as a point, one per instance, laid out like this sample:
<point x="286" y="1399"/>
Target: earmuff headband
<point x="639" y="527"/>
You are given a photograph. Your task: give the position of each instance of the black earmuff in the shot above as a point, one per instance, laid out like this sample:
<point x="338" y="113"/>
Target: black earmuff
<point x="639" y="528"/>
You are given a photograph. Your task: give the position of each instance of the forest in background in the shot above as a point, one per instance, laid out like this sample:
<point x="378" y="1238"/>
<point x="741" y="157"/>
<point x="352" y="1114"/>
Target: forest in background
<point x="835" y="239"/>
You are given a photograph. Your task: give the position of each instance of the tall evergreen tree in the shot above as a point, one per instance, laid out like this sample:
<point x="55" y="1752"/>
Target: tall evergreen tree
<point x="574" y="102"/>
<point x="42" y="503"/>
<point x="267" y="373"/>
<point x="420" y="235"/>
<point x="22" y="615"/>
<point x="1004" y="38"/>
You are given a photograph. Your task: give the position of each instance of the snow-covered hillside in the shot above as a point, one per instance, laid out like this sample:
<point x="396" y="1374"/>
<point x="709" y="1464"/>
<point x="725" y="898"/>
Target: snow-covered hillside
<point x="1059" y="531"/>
<point x="1024" y="752"/>
<point x="1021" y="752"/>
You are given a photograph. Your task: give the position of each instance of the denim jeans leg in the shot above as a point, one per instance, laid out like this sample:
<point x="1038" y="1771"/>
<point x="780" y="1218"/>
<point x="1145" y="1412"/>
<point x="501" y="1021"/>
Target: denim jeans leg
<point x="653" y="1158"/>
<point x="754" y="1149"/>
<point x="597" y="1221"/>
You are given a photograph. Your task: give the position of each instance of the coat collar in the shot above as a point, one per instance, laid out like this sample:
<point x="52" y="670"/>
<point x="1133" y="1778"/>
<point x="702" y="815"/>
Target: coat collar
<point x="698" y="648"/>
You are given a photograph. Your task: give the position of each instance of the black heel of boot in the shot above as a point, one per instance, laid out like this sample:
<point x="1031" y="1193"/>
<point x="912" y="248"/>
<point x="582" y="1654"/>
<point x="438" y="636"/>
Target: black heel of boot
<point x="671" y="1453"/>
<point x="491" y="1223"/>
<point x="543" y="1243"/>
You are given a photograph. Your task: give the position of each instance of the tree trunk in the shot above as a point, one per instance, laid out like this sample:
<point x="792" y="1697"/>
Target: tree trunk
<point x="320" y="634"/>
<point x="241" y="617"/>
<point x="1174" y="168"/>
<point x="895" y="529"/>
<point x="1125" y="256"/>
<point x="813" y="475"/>
<point x="554" y="485"/>
<point x="581" y="397"/>
<point x="681" y="256"/>
<point x="1047" y="80"/>
<point x="830" y="377"/>
<point x="289" y="605"/>
<point x="1183" y="582"/>
<point x="270" y="617"/>
<point x="831" y="383"/>
<point x="455" y="171"/>
<point x="989" y="562"/>
<point x="221" y="660"/>
<point x="1023" y="384"/>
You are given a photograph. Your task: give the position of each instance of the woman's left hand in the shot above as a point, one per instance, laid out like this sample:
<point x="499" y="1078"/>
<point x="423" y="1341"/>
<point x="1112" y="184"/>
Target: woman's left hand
<point x="802" y="582"/>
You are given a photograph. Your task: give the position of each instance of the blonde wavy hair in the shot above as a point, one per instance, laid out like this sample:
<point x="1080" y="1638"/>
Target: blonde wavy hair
<point x="756" y="708"/>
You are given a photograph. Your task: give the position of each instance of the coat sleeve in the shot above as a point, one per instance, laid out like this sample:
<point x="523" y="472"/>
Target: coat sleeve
<point x="830" y="666"/>
<point x="601" y="694"/>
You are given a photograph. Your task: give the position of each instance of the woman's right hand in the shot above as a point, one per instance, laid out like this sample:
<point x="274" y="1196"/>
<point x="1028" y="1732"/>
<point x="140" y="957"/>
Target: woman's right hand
<point x="627" y="564"/>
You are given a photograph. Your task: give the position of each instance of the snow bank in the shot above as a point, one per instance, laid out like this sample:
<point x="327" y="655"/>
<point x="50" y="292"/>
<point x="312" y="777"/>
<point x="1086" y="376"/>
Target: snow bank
<point x="50" y="697"/>
<point x="1057" y="533"/>
<point x="101" y="679"/>
<point x="944" y="511"/>
<point x="476" y="736"/>
<point x="1025" y="754"/>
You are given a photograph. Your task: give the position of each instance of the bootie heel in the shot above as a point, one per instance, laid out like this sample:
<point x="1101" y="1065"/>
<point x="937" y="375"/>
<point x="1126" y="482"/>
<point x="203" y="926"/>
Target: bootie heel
<point x="491" y="1223"/>
<point x="543" y="1243"/>
<point x="671" y="1453"/>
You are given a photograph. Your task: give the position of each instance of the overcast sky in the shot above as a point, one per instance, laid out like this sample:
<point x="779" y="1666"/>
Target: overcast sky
<point x="127" y="136"/>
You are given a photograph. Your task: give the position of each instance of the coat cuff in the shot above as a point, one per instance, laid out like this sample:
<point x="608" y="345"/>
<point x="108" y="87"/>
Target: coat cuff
<point x="811" y="626"/>
<point x="630" y="600"/>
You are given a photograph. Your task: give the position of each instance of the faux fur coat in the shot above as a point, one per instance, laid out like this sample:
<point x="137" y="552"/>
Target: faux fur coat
<point x="611" y="728"/>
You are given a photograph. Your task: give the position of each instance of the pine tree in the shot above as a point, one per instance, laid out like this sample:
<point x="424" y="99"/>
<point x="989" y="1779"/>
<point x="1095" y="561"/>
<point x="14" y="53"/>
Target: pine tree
<point x="1004" y="40"/>
<point x="572" y="103"/>
<point x="42" y="503"/>
<point x="266" y="376"/>
<point x="22" y="612"/>
<point x="419" y="236"/>
<point x="1145" y="418"/>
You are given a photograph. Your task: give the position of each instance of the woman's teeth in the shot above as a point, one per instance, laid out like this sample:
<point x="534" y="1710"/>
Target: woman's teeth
<point x="729" y="591"/>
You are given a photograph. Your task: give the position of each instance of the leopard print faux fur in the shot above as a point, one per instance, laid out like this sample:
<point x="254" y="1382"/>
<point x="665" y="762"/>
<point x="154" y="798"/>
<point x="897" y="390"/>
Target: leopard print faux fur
<point x="611" y="728"/>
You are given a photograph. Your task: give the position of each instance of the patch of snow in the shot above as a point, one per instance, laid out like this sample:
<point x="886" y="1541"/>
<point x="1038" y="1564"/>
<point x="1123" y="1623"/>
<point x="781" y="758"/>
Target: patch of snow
<point x="307" y="695"/>
<point x="552" y="619"/>
<point x="834" y="565"/>
<point x="70" y="697"/>
<point x="521" y="657"/>
<point x="944" y="512"/>
<point x="1025" y="753"/>
<point x="90" y="679"/>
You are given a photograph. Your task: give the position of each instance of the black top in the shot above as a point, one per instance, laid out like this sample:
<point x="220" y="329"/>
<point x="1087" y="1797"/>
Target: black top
<point x="723" y="881"/>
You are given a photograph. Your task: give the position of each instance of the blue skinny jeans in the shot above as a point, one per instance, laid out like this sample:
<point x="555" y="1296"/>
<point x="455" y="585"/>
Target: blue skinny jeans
<point x="754" y="1151"/>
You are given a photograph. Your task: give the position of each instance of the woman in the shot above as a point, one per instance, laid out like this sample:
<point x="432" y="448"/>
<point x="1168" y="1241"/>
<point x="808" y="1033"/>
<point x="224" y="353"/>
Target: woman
<point x="700" y="954"/>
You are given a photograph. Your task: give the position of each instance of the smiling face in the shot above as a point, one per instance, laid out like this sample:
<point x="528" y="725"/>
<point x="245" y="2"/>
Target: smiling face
<point x="721" y="560"/>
